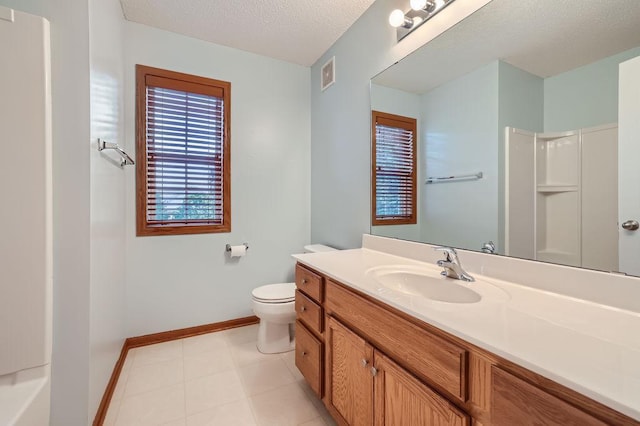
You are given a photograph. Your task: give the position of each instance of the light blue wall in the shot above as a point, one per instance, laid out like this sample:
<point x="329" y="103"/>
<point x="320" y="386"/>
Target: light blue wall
<point x="460" y="135"/>
<point x="107" y="298"/>
<point x="393" y="101"/>
<point x="341" y="118"/>
<point x="584" y="97"/>
<point x="71" y="196"/>
<point x="520" y="105"/>
<point x="187" y="280"/>
<point x="340" y="133"/>
<point x="462" y="131"/>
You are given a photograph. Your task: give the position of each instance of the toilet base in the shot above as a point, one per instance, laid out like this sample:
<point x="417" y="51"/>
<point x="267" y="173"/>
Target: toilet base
<point x="274" y="338"/>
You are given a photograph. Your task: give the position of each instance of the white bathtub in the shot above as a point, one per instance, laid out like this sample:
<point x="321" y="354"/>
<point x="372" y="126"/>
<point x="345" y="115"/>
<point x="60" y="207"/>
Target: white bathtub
<point x="25" y="397"/>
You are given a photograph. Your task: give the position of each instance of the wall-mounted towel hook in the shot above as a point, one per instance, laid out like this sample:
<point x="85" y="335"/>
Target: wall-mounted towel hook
<point x="125" y="160"/>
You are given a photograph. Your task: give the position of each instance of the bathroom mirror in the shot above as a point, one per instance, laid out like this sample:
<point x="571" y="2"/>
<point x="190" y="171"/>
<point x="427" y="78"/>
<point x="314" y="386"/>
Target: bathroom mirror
<point x="519" y="104"/>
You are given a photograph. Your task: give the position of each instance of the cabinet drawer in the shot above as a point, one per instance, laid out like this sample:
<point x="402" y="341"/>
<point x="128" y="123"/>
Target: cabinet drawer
<point x="309" y="312"/>
<point x="309" y="357"/>
<point x="309" y="283"/>
<point x="514" y="401"/>
<point x="434" y="360"/>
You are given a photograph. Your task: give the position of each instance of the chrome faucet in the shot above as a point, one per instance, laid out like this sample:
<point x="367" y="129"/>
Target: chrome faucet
<point x="489" y="247"/>
<point x="451" y="265"/>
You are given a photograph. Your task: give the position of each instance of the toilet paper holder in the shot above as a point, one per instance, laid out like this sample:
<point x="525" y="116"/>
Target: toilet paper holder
<point x="227" y="248"/>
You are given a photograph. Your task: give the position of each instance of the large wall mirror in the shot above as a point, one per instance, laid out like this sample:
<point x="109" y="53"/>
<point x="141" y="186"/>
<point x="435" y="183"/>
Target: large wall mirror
<point x="522" y="149"/>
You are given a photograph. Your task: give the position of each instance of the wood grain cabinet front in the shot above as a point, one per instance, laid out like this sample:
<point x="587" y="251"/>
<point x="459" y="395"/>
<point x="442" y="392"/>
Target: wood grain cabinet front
<point x="515" y="401"/>
<point x="375" y="365"/>
<point x="364" y="387"/>
<point x="309" y="357"/>
<point x="309" y="312"/>
<point x="309" y="327"/>
<point x="401" y="399"/>
<point x="349" y="378"/>
<point x="310" y="283"/>
<point x="438" y="362"/>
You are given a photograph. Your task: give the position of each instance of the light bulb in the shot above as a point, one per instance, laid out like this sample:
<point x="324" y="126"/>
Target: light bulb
<point x="418" y="4"/>
<point x="396" y="18"/>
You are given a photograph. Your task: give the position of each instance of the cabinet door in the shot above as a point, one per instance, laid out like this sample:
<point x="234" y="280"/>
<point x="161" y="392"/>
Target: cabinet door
<point x="401" y="399"/>
<point x="349" y="375"/>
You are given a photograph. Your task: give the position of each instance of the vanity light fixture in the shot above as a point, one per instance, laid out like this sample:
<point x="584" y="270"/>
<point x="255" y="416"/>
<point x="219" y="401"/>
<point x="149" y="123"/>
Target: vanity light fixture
<point x="420" y="12"/>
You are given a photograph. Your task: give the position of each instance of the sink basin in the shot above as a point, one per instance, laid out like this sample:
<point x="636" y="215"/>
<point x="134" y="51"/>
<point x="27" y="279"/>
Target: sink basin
<point x="430" y="284"/>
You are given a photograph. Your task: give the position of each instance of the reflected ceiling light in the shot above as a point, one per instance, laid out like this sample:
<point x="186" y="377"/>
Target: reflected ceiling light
<point x="420" y="12"/>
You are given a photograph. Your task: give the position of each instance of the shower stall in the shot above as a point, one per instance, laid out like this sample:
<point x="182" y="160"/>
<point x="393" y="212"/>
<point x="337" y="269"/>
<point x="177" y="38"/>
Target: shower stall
<point x="25" y="218"/>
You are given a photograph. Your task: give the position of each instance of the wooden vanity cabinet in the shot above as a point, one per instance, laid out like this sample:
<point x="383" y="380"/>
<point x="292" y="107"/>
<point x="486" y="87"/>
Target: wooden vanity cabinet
<point x="515" y="401"/>
<point x="437" y="361"/>
<point x="309" y="350"/>
<point x="309" y="357"/>
<point x="349" y="379"/>
<point x="364" y="387"/>
<point x="379" y="366"/>
<point x="402" y="399"/>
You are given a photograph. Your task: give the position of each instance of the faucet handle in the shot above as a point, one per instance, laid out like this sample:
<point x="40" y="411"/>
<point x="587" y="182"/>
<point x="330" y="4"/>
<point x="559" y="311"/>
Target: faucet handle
<point x="450" y="253"/>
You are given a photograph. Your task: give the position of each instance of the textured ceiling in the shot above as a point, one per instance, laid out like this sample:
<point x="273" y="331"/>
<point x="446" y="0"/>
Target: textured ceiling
<point x="543" y="37"/>
<point x="297" y="31"/>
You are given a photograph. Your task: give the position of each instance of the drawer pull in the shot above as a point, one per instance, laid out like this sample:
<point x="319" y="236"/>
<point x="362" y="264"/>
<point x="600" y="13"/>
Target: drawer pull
<point x="364" y="362"/>
<point x="304" y="281"/>
<point x="304" y="353"/>
<point x="374" y="371"/>
<point x="302" y="309"/>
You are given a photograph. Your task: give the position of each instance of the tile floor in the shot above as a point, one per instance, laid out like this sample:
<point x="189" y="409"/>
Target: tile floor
<point x="213" y="379"/>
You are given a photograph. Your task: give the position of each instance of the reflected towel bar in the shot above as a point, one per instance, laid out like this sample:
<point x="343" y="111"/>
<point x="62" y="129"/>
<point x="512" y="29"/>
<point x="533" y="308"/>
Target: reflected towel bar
<point x="125" y="160"/>
<point x="474" y="176"/>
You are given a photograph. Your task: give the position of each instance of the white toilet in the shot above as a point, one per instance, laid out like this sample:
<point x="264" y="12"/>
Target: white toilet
<point x="274" y="305"/>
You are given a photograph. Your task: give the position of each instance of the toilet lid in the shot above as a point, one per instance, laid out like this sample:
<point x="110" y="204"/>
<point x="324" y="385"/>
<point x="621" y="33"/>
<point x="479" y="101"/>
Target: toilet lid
<point x="275" y="293"/>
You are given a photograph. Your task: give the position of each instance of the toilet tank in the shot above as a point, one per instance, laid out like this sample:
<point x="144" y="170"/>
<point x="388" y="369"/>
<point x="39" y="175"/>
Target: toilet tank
<point x="317" y="248"/>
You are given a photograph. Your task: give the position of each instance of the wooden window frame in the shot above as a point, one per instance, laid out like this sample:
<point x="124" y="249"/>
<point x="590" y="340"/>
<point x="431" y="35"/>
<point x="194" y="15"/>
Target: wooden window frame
<point x="407" y="123"/>
<point x="188" y="83"/>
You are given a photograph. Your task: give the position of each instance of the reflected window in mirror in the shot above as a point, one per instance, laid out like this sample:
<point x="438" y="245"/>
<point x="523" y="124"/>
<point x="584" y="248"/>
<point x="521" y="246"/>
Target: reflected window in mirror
<point x="393" y="174"/>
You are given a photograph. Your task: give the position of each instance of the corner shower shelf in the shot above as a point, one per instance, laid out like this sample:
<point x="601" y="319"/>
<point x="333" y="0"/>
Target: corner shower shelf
<point x="557" y="188"/>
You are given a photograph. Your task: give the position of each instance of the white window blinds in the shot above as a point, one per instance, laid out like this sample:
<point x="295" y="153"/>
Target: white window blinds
<point x="184" y="157"/>
<point x="395" y="170"/>
<point x="183" y="148"/>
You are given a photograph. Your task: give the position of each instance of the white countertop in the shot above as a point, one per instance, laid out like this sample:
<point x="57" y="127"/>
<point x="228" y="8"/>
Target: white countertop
<point x="591" y="348"/>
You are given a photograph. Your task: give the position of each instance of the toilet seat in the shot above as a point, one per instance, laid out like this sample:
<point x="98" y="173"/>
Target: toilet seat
<point x="275" y="293"/>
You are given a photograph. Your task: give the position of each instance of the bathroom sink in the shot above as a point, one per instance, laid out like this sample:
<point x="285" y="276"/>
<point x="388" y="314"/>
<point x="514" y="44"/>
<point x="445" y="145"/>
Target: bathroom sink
<point x="430" y="284"/>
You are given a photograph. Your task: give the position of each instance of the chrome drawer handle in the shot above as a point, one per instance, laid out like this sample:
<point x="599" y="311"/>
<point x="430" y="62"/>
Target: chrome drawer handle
<point x="364" y="362"/>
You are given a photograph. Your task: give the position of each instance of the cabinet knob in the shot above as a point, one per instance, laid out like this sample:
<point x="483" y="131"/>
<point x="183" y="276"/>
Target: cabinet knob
<point x="364" y="362"/>
<point x="304" y="281"/>
<point x="374" y="371"/>
<point x="304" y="353"/>
<point x="302" y="309"/>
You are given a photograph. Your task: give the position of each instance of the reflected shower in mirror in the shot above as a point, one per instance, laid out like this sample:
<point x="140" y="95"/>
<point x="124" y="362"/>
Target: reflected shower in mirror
<point x="517" y="111"/>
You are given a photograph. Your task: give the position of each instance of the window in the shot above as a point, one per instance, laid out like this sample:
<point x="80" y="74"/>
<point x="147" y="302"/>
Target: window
<point x="182" y="150"/>
<point x="393" y="169"/>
